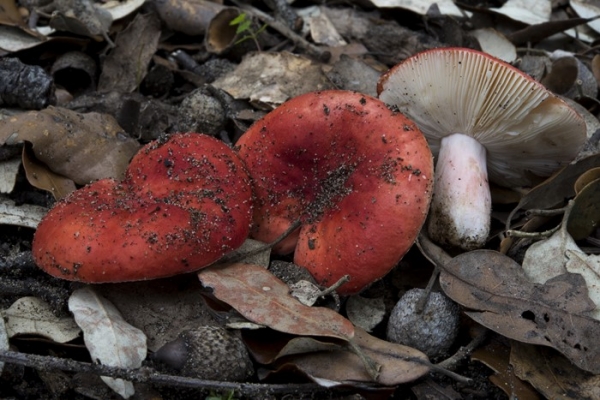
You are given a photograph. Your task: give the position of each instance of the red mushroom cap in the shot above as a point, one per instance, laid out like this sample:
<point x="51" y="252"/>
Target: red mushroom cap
<point x="357" y="174"/>
<point x="183" y="204"/>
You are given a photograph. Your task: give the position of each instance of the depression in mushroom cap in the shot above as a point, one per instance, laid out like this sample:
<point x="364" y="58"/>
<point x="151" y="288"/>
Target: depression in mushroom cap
<point x="483" y="119"/>
<point x="357" y="175"/>
<point x="183" y="204"/>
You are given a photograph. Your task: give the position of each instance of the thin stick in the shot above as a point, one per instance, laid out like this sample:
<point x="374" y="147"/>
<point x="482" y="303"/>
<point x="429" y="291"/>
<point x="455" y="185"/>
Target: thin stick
<point x="148" y="375"/>
<point x="239" y="256"/>
<point x="315" y="51"/>
<point x="462" y="353"/>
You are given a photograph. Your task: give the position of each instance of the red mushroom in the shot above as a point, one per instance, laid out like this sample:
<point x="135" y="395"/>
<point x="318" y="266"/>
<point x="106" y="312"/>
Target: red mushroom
<point x="481" y="117"/>
<point x="356" y="174"/>
<point x="183" y="204"/>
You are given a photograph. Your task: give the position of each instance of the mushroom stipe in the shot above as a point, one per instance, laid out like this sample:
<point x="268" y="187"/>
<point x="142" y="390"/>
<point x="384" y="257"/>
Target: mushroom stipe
<point x="183" y="204"/>
<point x="356" y="174"/>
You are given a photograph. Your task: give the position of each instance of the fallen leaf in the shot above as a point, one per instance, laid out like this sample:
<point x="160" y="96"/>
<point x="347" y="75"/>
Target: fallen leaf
<point x="267" y="345"/>
<point x="264" y="299"/>
<point x="26" y="215"/>
<point x="365" y="312"/>
<point x="553" y="375"/>
<point x="546" y="258"/>
<point x="108" y="337"/>
<point x="272" y="78"/>
<point x="123" y="72"/>
<point x="82" y="147"/>
<point x="3" y="341"/>
<point x="41" y="177"/>
<point x="31" y="315"/>
<point x="585" y="214"/>
<point x="559" y="186"/>
<point x="496" y="356"/>
<point x="504" y="300"/>
<point x="428" y="389"/>
<point x="9" y="170"/>
<point x="399" y="364"/>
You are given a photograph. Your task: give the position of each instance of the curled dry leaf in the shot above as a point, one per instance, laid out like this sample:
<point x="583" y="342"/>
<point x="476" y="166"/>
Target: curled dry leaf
<point x="31" y="315"/>
<point x="108" y="337"/>
<point x="82" y="147"/>
<point x="585" y="215"/>
<point x="264" y="299"/>
<point x="41" y="177"/>
<point x="267" y="345"/>
<point x="504" y="300"/>
<point x="399" y="364"/>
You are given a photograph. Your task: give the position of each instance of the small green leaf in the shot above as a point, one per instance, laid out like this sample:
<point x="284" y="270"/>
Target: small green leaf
<point x="244" y="26"/>
<point x="238" y="20"/>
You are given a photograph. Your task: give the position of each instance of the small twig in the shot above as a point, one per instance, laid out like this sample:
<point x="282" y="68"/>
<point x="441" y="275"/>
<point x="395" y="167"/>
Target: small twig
<point x="315" y="51"/>
<point x="371" y="366"/>
<point x="546" y="213"/>
<point x="532" y="235"/>
<point x="148" y="375"/>
<point x="452" y="362"/>
<point x="335" y="286"/>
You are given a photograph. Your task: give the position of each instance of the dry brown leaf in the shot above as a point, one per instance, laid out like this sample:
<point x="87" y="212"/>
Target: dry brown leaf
<point x="264" y="299"/>
<point x="585" y="214"/>
<point x="555" y="189"/>
<point x="507" y="302"/>
<point x="554" y="376"/>
<point x="82" y="147"/>
<point x="41" y="177"/>
<point x="496" y="356"/>
<point x="399" y="364"/>
<point x="267" y="345"/>
<point x="125" y="67"/>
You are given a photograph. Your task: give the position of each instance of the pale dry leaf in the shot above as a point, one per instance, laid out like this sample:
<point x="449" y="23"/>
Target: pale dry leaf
<point x="365" y="312"/>
<point x="589" y="267"/>
<point x="272" y="78"/>
<point x="446" y="7"/>
<point x="108" y="337"/>
<point x="496" y="44"/>
<point x="31" y="315"/>
<point x="9" y="169"/>
<point x="528" y="11"/>
<point x="264" y="299"/>
<point x="547" y="258"/>
<point x="26" y="215"/>
<point x="3" y="341"/>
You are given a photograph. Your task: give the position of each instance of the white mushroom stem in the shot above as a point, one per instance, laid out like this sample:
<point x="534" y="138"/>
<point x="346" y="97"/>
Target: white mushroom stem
<point x="461" y="206"/>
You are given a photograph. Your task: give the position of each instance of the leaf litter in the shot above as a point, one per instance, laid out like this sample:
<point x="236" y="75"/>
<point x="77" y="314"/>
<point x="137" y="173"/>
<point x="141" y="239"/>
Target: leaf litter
<point x="563" y="267"/>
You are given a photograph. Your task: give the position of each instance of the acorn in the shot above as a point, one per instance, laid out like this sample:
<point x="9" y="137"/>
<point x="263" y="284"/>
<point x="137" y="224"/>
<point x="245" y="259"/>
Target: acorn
<point x="208" y="352"/>
<point x="433" y="331"/>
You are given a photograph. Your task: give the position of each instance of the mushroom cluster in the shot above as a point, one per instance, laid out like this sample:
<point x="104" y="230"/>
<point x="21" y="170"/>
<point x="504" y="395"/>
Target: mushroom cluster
<point x="483" y="119"/>
<point x="183" y="204"/>
<point x="356" y="174"/>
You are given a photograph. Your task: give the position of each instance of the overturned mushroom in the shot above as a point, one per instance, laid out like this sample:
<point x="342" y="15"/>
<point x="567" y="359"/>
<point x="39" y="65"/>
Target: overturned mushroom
<point x="357" y="175"/>
<point x="482" y="117"/>
<point x="183" y="204"/>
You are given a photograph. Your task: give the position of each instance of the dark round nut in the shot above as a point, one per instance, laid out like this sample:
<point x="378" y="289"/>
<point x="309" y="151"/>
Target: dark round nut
<point x="431" y="332"/>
